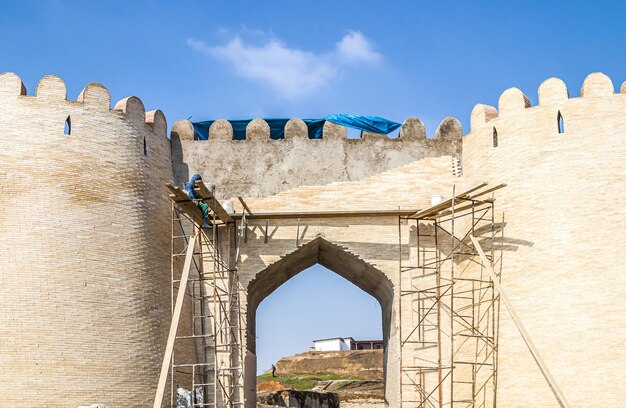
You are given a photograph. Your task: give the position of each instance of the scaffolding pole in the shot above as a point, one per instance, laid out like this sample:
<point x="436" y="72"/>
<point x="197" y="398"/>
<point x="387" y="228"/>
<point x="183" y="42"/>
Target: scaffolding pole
<point x="206" y="357"/>
<point x="449" y="346"/>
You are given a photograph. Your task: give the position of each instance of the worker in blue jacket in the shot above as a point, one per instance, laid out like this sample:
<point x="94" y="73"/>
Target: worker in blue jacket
<point x="189" y="188"/>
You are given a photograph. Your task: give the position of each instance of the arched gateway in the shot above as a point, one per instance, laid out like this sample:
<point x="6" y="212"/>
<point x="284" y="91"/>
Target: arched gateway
<point x="99" y="286"/>
<point x="342" y="259"/>
<point x="439" y="346"/>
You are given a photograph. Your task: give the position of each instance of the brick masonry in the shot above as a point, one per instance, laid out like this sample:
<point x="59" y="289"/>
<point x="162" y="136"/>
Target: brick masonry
<point x="84" y="243"/>
<point x="84" y="233"/>
<point x="564" y="204"/>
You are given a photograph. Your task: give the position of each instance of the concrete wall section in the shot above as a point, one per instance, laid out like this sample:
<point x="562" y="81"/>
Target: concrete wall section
<point x="260" y="166"/>
<point x="564" y="211"/>
<point x="84" y="244"/>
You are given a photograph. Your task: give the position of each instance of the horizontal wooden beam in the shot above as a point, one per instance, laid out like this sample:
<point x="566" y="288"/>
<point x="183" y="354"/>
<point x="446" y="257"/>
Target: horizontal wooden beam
<point x="208" y="197"/>
<point x="184" y="203"/>
<point x="444" y="208"/>
<point x="324" y="214"/>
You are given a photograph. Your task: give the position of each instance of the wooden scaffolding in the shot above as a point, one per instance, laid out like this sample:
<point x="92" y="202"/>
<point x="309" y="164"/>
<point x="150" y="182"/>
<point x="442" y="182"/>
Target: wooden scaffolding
<point x="450" y="292"/>
<point x="203" y="356"/>
<point x="449" y="345"/>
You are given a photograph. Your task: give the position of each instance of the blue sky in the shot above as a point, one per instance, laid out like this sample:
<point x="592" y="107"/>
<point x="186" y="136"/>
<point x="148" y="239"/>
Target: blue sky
<point x="297" y="58"/>
<point x="427" y="59"/>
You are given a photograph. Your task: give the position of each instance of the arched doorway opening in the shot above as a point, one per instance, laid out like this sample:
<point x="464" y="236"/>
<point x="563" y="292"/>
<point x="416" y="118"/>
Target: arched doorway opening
<point x="338" y="260"/>
<point x="317" y="311"/>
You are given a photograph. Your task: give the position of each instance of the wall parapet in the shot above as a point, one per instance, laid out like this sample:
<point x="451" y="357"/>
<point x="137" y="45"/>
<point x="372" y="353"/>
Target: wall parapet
<point x="261" y="166"/>
<point x="556" y="122"/>
<point x="95" y="96"/>
<point x="258" y="130"/>
<point x="552" y="94"/>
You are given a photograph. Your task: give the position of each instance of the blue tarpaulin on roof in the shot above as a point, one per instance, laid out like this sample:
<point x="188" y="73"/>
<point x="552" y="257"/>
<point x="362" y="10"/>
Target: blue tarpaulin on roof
<point x="373" y="124"/>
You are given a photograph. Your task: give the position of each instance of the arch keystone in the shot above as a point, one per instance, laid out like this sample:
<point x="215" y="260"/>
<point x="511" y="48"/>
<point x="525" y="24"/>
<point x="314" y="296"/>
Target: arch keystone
<point x="221" y="129"/>
<point x="51" y="87"/>
<point x="296" y="128"/>
<point x="597" y="84"/>
<point x="552" y="90"/>
<point x="11" y="85"/>
<point x="258" y="129"/>
<point x="481" y="114"/>
<point x="96" y="95"/>
<point x="412" y="129"/>
<point x="512" y="100"/>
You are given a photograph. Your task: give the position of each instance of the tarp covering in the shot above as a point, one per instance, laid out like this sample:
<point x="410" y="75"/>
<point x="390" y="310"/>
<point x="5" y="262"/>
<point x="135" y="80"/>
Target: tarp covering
<point x="373" y="124"/>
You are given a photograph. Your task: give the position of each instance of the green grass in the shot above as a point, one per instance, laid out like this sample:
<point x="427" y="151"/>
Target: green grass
<point x="302" y="381"/>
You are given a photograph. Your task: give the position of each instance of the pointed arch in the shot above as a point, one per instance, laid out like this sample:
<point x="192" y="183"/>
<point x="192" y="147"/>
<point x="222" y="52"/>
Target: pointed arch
<point x="336" y="259"/>
<point x="333" y="257"/>
<point x="560" y="122"/>
<point x="495" y="137"/>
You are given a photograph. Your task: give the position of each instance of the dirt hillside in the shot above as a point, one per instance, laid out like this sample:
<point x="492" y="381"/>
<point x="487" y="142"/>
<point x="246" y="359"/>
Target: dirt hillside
<point x="362" y="364"/>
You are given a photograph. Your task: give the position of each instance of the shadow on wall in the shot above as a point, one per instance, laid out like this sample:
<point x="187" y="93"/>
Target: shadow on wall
<point x="180" y="167"/>
<point x="498" y="243"/>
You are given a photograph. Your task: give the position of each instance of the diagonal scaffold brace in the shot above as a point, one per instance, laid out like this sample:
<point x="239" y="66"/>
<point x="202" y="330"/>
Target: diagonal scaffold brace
<point x="556" y="390"/>
<point x="169" y="348"/>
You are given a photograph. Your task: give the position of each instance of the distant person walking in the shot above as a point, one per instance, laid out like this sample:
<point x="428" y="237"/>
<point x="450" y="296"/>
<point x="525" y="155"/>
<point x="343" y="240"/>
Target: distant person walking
<point x="273" y="370"/>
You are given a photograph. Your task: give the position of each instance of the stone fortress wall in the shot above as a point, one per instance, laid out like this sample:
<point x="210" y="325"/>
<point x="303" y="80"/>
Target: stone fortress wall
<point x="85" y="282"/>
<point x="84" y="247"/>
<point x="260" y="166"/>
<point x="564" y="212"/>
<point x="364" y="250"/>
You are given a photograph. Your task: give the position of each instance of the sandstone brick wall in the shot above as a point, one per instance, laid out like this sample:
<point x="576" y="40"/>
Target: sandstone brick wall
<point x="364" y="250"/>
<point x="405" y="187"/>
<point x="84" y="247"/>
<point x="260" y="166"/>
<point x="85" y="233"/>
<point x="566" y="221"/>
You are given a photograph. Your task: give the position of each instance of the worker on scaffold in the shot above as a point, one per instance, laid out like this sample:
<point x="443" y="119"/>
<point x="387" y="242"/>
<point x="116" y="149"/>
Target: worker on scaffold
<point x="204" y="207"/>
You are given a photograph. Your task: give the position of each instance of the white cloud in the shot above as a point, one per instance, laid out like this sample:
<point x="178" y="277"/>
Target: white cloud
<point x="354" y="47"/>
<point x="291" y="72"/>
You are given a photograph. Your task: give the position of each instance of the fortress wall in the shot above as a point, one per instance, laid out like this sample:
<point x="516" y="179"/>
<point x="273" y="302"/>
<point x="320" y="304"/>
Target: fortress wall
<point x="373" y="239"/>
<point x="260" y="166"/>
<point x="565" y="234"/>
<point x="84" y="245"/>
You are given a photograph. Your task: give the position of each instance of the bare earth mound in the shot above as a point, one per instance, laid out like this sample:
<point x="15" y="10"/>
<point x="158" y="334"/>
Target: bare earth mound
<point x="361" y="364"/>
<point x="326" y="379"/>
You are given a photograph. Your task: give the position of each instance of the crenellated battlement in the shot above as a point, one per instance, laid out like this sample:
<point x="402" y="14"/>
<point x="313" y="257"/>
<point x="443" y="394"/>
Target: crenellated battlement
<point x="100" y="239"/>
<point x="558" y="123"/>
<point x="86" y="232"/>
<point x="553" y="97"/>
<point x="46" y="137"/>
<point x="563" y="161"/>
<point x="261" y="166"/>
<point x="51" y="91"/>
<point x="258" y="130"/>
